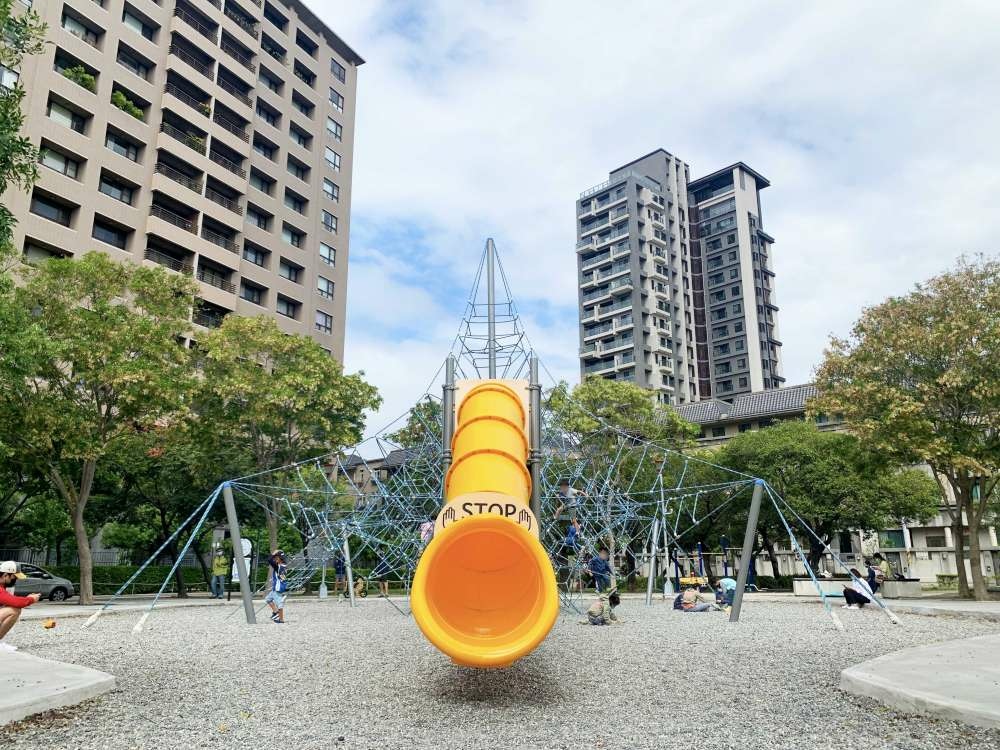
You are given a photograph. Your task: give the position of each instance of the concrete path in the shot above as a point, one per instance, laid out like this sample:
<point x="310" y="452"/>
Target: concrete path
<point x="30" y="685"/>
<point x="957" y="680"/>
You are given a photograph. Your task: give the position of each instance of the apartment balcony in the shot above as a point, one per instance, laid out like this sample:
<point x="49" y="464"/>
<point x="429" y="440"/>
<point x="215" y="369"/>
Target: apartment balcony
<point x="228" y="164"/>
<point x="585" y="210"/>
<point x="168" y="261"/>
<point x="238" y="95"/>
<point x="238" y="54"/>
<point x="166" y="177"/>
<point x="208" y="319"/>
<point x="220" y="240"/>
<point x="193" y="141"/>
<point x="191" y="60"/>
<point x="590" y="349"/>
<point x="194" y="105"/>
<point x="612" y="288"/>
<point x="599" y="367"/>
<point x="247" y="26"/>
<point x="597" y="260"/>
<point x="227" y="202"/>
<point x="615" y="345"/>
<point x="195" y="22"/>
<point x="598" y="332"/>
<point x="216" y="279"/>
<point x="624" y="323"/>
<point x="187" y="223"/>
<point x="584" y="244"/>
<point x="232" y="126"/>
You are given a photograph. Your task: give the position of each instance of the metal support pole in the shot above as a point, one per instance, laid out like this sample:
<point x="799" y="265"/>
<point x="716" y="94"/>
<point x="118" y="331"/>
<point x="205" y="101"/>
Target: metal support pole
<point x="747" y="554"/>
<point x="241" y="563"/>
<point x="448" y="411"/>
<point x="651" y="581"/>
<point x="350" y="568"/>
<point x="491" y="307"/>
<point x="535" y="436"/>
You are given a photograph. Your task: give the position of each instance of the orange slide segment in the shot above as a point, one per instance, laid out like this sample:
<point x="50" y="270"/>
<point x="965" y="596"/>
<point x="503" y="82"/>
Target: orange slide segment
<point x="484" y="591"/>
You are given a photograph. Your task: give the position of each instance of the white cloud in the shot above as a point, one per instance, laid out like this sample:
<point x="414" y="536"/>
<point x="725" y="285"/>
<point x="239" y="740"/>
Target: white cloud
<point x="876" y="125"/>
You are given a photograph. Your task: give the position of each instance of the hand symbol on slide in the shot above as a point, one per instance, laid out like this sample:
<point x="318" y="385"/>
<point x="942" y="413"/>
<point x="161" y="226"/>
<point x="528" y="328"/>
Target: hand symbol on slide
<point x="449" y="515"/>
<point x="524" y="517"/>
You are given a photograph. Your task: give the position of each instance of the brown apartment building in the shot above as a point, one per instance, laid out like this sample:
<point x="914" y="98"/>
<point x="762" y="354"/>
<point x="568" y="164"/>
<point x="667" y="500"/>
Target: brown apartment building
<point x="211" y="137"/>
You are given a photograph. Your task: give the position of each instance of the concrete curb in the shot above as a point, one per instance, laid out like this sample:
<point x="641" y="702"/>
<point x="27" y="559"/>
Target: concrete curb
<point x="959" y="680"/>
<point x="31" y="685"/>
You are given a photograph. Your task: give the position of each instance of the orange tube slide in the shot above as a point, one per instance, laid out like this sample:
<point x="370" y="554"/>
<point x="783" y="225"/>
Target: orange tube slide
<point x="484" y="591"/>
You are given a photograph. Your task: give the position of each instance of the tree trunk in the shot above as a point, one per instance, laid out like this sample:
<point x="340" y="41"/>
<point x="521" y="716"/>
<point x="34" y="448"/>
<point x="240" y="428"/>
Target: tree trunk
<point x="772" y="554"/>
<point x="958" y="539"/>
<point x="83" y="552"/>
<point x="272" y="526"/>
<point x="178" y="574"/>
<point x="976" y="559"/>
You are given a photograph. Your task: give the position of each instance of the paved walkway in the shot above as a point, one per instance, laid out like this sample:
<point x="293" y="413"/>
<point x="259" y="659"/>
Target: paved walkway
<point x="957" y="680"/>
<point x="30" y="685"/>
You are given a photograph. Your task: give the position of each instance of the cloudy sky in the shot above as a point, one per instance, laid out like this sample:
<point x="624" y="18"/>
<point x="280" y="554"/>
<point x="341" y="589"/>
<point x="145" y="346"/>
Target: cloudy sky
<point x="877" y="124"/>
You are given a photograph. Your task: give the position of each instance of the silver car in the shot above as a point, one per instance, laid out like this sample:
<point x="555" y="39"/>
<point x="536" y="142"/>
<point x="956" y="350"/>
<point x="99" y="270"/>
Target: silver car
<point x="42" y="582"/>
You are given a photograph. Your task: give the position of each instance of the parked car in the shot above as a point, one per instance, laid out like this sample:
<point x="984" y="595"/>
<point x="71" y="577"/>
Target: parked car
<point x="40" y="581"/>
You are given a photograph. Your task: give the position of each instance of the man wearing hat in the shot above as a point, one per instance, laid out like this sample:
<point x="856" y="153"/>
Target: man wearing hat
<point x="11" y="605"/>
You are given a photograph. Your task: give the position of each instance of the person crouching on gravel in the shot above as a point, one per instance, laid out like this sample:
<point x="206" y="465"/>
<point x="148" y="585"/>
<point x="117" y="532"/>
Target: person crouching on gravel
<point x="602" y="611"/>
<point x="859" y="593"/>
<point x="11" y="605"/>
<point x="277" y="586"/>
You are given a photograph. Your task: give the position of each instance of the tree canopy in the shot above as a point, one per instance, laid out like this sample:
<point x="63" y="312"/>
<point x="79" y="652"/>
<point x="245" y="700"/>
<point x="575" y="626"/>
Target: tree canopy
<point x="919" y="379"/>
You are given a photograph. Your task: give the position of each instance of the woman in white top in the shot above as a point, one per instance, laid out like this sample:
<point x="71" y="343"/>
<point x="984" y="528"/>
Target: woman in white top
<point x="859" y="593"/>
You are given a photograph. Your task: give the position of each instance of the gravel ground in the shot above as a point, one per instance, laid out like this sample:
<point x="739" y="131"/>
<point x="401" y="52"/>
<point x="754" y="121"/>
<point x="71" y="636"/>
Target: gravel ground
<point x="339" y="678"/>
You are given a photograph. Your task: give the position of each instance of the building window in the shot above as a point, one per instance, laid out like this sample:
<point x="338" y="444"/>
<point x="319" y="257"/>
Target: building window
<point x="289" y="271"/>
<point x="333" y="159"/>
<point x="261" y="182"/>
<point x="737" y="308"/>
<point x="734" y="273"/>
<point x="112" y="235"/>
<point x="324" y="322"/>
<point x="739" y="345"/>
<point x="122" y="146"/>
<point x="720" y="349"/>
<point x="745" y="426"/>
<point x="329" y="222"/>
<point x="726" y="385"/>
<point x="291" y="236"/>
<point x="722" y="368"/>
<point x="718" y="432"/>
<point x="743" y="382"/>
<point x="331" y="189"/>
<point x="58" y="162"/>
<point x="327" y="254"/>
<point x="264" y="149"/>
<point x="338" y="70"/>
<point x="77" y="29"/>
<point x="298" y="169"/>
<point x="137" y="25"/>
<point x="288" y="307"/>
<point x="269" y="81"/>
<point x="254" y="254"/>
<point x="302" y="139"/>
<point x="324" y="287"/>
<point x="66" y="116"/>
<point x="49" y="209"/>
<point x="252" y="293"/>
<point x="256" y="218"/>
<point x="335" y="129"/>
<point x="268" y="114"/>
<point x="134" y="64"/>
<point x="295" y="202"/>
<point x="336" y="100"/>
<point x="302" y="104"/>
<point x="116" y="189"/>
<point x="9" y="79"/>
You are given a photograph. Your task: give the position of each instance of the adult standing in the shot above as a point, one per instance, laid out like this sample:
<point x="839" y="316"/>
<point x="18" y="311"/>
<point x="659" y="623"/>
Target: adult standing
<point x="10" y="604"/>
<point x="278" y="586"/>
<point x="220" y="568"/>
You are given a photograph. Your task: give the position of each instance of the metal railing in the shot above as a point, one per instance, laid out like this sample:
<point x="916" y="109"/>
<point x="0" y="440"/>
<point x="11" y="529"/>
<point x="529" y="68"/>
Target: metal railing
<point x="249" y="27"/>
<point x="207" y="319"/>
<point x="243" y="59"/>
<point x="240" y="131"/>
<point x="200" y="65"/>
<point x="168" y="261"/>
<point x="230" y="88"/>
<point x="178" y="176"/>
<point x="219" y="239"/>
<point x="191" y="20"/>
<point x="169" y="216"/>
<point x="178" y="93"/>
<point x="216" y="279"/>
<point x="224" y="200"/>
<point x="277" y="54"/>
<point x="227" y="163"/>
<point x="192" y="141"/>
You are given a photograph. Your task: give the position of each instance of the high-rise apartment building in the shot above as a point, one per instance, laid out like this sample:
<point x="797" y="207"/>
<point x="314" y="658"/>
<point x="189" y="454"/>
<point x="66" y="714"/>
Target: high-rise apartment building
<point x="676" y="282"/>
<point x="211" y="137"/>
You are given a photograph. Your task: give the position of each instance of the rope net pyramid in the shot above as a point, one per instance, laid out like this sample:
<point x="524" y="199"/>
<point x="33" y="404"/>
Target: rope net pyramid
<point x="641" y="497"/>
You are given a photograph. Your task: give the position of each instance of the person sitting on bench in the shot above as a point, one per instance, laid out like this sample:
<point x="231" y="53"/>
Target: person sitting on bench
<point x="859" y="593"/>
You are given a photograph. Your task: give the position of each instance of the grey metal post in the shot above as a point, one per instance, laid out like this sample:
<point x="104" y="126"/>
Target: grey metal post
<point x="491" y="307"/>
<point x="241" y="563"/>
<point x="535" y="435"/>
<point x="448" y="410"/>
<point x="652" y="561"/>
<point x="746" y="555"/>
<point x="350" y="568"/>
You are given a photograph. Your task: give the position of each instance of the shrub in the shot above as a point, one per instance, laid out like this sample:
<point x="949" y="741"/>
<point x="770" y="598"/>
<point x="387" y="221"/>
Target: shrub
<point x="79" y="75"/>
<point x="126" y="105"/>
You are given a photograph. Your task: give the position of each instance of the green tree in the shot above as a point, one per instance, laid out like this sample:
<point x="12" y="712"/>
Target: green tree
<point x="281" y="396"/>
<point x="98" y="359"/>
<point x="423" y="420"/>
<point x="919" y="378"/>
<point x="21" y="34"/>
<point x="831" y="479"/>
